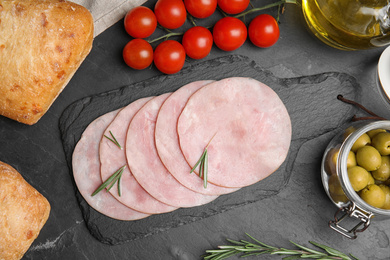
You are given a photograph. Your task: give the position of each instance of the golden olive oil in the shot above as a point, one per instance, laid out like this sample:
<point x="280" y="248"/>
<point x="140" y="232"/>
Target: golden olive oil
<point x="348" y="24"/>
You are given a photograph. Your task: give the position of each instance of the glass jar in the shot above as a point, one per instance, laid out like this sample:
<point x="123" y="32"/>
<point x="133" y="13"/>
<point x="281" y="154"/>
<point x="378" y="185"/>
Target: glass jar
<point x="349" y="24"/>
<point x="339" y="189"/>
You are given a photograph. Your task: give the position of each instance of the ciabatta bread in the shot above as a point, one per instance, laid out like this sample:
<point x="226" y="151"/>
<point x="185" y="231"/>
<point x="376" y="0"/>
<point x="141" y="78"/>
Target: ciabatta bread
<point x="42" y="44"/>
<point x="23" y="212"/>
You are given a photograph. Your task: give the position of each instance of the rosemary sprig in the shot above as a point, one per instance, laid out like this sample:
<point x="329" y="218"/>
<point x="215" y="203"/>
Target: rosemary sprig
<point x="203" y="161"/>
<point x="109" y="183"/>
<point x="113" y="139"/>
<point x="247" y="248"/>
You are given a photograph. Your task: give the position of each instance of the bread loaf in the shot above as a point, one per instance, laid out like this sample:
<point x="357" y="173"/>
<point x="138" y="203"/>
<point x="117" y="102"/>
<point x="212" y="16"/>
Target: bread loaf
<point x="23" y="212"/>
<point x="42" y="44"/>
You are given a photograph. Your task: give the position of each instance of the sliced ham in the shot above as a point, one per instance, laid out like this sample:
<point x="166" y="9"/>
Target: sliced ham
<point x="86" y="172"/>
<point x="113" y="158"/>
<point x="167" y="141"/>
<point x="247" y="126"/>
<point x="146" y="165"/>
<point x="242" y="122"/>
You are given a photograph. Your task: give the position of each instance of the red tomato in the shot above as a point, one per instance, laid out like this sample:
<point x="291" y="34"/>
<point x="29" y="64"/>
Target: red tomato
<point x="263" y="31"/>
<point x="201" y="8"/>
<point x="138" y="54"/>
<point x="169" y="57"/>
<point x="233" y="6"/>
<point x="170" y="14"/>
<point x="140" y="22"/>
<point x="197" y="42"/>
<point x="229" y="33"/>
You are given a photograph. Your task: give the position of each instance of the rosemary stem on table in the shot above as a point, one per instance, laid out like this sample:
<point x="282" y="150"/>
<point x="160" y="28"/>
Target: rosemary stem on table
<point x="256" y="248"/>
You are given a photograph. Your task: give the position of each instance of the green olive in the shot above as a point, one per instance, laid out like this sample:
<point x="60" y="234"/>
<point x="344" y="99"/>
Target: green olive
<point x="373" y="195"/>
<point x="351" y="159"/>
<point x="348" y="131"/>
<point x="358" y="177"/>
<point x="383" y="172"/>
<point x="374" y="132"/>
<point x="371" y="179"/>
<point x="339" y="198"/>
<point x="335" y="186"/>
<point x="386" y="190"/>
<point x="363" y="140"/>
<point x="382" y="143"/>
<point x="369" y="158"/>
<point x="331" y="161"/>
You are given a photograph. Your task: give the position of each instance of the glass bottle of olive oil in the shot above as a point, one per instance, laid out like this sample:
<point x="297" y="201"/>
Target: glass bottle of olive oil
<point x="349" y="24"/>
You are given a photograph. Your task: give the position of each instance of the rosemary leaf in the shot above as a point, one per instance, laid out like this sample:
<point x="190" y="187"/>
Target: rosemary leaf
<point x="119" y="182"/>
<point x="110" y="181"/>
<point x="201" y="166"/>
<point x="314" y="256"/>
<point x="229" y="247"/>
<point x="104" y="184"/>
<point x="236" y="242"/>
<point x="113" y="181"/>
<point x="259" y="242"/>
<point x="205" y="168"/>
<point x="307" y="249"/>
<point x="330" y="250"/>
<point x="198" y="162"/>
<point x="203" y="161"/>
<point x="219" y="250"/>
<point x="221" y="255"/>
<point x="291" y="257"/>
<point x="113" y="139"/>
<point x="285" y="252"/>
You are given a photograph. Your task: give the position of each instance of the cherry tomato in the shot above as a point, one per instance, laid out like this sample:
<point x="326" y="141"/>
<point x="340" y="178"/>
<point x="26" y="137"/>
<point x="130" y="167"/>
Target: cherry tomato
<point x="229" y="33"/>
<point x="263" y="31"/>
<point x="201" y="8"/>
<point x="170" y="14"/>
<point x="169" y="57"/>
<point x="138" y="54"/>
<point x="233" y="6"/>
<point x="140" y="22"/>
<point x="197" y="42"/>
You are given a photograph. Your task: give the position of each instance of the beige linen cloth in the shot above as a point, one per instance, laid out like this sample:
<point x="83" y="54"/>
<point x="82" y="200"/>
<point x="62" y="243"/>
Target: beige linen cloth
<point x="107" y="12"/>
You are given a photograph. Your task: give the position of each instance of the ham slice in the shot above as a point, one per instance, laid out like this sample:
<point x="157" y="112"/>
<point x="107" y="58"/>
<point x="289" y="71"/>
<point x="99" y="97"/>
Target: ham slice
<point x="167" y="141"/>
<point x="112" y="158"/>
<point x="247" y="125"/>
<point x="146" y="165"/>
<point x="86" y="172"/>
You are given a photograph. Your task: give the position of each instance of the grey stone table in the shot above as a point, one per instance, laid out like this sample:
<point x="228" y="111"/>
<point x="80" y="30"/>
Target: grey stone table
<point x="297" y="209"/>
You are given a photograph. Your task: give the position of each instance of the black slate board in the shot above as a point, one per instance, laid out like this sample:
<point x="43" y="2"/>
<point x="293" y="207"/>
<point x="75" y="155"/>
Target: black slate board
<point x="310" y="100"/>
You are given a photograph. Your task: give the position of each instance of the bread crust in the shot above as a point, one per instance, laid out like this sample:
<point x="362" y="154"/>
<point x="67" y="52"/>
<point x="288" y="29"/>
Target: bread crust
<point x="23" y="212"/>
<point x="42" y="44"/>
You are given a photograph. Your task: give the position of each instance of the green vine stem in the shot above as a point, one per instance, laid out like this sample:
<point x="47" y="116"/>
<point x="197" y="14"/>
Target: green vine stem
<point x="257" y="9"/>
<point x="166" y="36"/>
